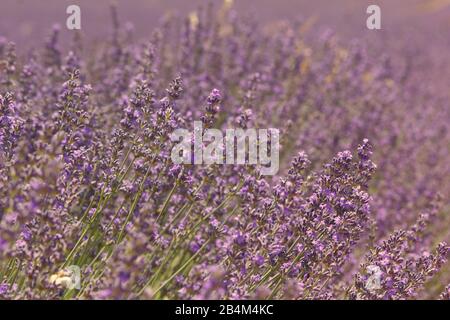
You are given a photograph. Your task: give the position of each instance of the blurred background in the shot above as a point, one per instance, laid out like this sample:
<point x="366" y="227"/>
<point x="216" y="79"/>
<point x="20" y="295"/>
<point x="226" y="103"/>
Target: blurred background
<point x="420" y="26"/>
<point x="33" y="18"/>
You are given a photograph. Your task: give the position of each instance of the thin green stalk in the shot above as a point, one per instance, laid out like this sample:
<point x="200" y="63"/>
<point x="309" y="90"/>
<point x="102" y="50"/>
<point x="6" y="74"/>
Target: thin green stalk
<point x="166" y="202"/>
<point x="178" y="271"/>
<point x="133" y="206"/>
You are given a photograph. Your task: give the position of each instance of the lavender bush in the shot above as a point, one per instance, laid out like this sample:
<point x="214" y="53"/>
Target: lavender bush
<point x="86" y="177"/>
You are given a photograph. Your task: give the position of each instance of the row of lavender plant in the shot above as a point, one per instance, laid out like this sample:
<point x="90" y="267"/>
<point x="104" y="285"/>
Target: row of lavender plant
<point x="86" y="177"/>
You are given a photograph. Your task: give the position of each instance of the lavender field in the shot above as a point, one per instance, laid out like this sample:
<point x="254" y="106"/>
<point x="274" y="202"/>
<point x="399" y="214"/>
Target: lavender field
<point x="93" y="205"/>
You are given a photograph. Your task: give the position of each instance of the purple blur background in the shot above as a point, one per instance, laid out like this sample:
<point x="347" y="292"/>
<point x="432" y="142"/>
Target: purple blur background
<point x="33" y="18"/>
<point x="422" y="25"/>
